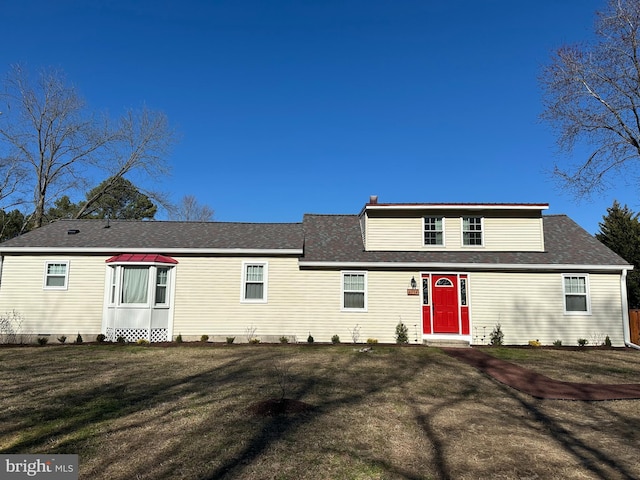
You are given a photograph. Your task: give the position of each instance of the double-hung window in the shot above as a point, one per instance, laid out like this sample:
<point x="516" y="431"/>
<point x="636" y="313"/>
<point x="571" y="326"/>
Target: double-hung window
<point x="56" y="275"/>
<point x="254" y="283"/>
<point x="433" y="231"/>
<point x="576" y="294"/>
<point x="472" y="231"/>
<point x="354" y="290"/>
<point x="162" y="283"/>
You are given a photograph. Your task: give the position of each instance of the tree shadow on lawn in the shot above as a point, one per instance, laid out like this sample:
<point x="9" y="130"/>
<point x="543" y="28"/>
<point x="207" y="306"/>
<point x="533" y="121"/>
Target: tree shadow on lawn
<point x="346" y="380"/>
<point x="129" y="393"/>
<point x="590" y="457"/>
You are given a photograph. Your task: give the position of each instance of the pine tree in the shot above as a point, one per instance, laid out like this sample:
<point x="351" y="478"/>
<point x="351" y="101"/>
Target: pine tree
<point x="620" y="231"/>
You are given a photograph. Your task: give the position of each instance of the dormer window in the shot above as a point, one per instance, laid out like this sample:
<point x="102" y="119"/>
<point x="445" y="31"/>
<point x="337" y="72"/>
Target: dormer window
<point x="472" y="231"/>
<point x="433" y="231"/>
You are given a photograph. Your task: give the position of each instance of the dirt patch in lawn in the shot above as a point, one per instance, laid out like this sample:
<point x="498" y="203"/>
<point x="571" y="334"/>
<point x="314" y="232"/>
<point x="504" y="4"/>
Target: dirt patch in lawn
<point x="279" y="406"/>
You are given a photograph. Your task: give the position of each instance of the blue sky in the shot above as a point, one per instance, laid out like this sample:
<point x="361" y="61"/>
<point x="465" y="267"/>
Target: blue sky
<point x="293" y="107"/>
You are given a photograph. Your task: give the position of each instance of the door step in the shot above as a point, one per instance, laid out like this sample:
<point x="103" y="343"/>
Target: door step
<point x="446" y="342"/>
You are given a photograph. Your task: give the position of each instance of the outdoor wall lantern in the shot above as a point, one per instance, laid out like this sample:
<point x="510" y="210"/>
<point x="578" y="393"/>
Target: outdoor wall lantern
<point x="414" y="287"/>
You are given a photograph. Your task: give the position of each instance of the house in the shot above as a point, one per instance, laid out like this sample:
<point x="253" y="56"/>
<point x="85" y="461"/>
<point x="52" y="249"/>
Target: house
<point x="449" y="271"/>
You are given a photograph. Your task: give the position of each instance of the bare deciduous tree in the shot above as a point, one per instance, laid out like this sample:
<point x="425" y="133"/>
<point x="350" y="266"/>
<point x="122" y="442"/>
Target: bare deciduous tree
<point x="141" y="144"/>
<point x="190" y="210"/>
<point x="49" y="132"/>
<point x="592" y="96"/>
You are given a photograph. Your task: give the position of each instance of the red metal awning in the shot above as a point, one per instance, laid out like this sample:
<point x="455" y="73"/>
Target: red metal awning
<point x="141" y="258"/>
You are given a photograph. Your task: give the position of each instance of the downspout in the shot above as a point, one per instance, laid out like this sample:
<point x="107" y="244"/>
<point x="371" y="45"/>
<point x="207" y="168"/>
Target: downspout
<point x="625" y="311"/>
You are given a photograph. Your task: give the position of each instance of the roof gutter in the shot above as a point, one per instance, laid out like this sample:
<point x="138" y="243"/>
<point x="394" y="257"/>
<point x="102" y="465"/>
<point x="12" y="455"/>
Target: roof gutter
<point x="167" y="251"/>
<point x="470" y="266"/>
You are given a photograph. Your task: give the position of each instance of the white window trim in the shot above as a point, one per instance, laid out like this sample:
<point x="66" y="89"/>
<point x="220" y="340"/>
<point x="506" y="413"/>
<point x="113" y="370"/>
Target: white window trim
<point x="265" y="282"/>
<point x="46" y="275"/>
<point x="587" y="287"/>
<point x="462" y="231"/>
<point x="342" y="291"/>
<point x="424" y="226"/>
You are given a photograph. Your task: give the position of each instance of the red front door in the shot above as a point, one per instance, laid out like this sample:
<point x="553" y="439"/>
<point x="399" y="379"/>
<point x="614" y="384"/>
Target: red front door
<point x="445" y="304"/>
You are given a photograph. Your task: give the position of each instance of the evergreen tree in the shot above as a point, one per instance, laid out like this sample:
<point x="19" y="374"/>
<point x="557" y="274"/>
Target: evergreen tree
<point x="620" y="231"/>
<point x="12" y="224"/>
<point x="118" y="198"/>
<point x="115" y="198"/>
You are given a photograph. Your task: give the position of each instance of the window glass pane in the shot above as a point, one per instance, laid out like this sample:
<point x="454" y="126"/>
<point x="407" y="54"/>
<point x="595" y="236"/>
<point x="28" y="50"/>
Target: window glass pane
<point x="353" y="300"/>
<point x="161" y="278"/>
<point x="57" y="269"/>
<point x="135" y="282"/>
<point x="161" y="285"/>
<point x="425" y="291"/>
<point x="254" y="273"/>
<point x="576" y="303"/>
<point x="575" y="285"/>
<point x="254" y="291"/>
<point x="463" y="291"/>
<point x="112" y="296"/>
<point x="55" y="281"/>
<point x="354" y="282"/>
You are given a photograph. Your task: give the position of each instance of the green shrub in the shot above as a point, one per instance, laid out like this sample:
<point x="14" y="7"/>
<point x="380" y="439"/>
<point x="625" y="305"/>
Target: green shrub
<point x="254" y="341"/>
<point x="230" y="340"/>
<point x="62" y="338"/>
<point x="179" y="338"/>
<point x="79" y="339"/>
<point x="582" y="342"/>
<point x="335" y="339"/>
<point x="101" y="338"/>
<point x="557" y="343"/>
<point x="121" y="339"/>
<point x="402" y="333"/>
<point x="204" y="338"/>
<point x="142" y="341"/>
<point x="497" y="336"/>
<point x="372" y="341"/>
<point x="607" y="341"/>
<point x="43" y="340"/>
<point x="310" y="339"/>
<point x="284" y="339"/>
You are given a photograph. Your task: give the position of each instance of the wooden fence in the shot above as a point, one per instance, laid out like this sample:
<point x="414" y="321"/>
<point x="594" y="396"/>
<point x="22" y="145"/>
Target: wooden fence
<point x="634" y="326"/>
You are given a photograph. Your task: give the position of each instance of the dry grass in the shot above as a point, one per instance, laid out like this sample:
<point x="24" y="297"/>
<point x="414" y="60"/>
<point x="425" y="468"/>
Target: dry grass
<point x="395" y="413"/>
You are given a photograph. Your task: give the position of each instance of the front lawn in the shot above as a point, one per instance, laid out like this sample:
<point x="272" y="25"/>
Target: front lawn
<point x="134" y="412"/>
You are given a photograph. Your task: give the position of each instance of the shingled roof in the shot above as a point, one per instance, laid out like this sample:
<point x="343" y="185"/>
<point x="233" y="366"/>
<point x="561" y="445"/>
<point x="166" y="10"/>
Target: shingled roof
<point x="338" y="239"/>
<point x="320" y="240"/>
<point x="121" y="235"/>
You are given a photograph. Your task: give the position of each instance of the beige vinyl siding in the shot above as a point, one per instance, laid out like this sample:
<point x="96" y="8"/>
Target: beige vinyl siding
<point x="300" y="302"/>
<point x="395" y="234"/>
<point x="499" y="233"/>
<point x="513" y="234"/>
<point x="530" y="306"/>
<point x="78" y="309"/>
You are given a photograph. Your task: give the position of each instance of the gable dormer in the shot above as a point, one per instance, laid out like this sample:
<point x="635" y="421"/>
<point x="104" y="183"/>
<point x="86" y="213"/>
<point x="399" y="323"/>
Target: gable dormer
<point x="453" y="226"/>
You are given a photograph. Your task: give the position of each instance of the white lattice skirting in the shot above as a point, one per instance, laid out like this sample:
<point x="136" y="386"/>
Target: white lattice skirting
<point x="135" y="334"/>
